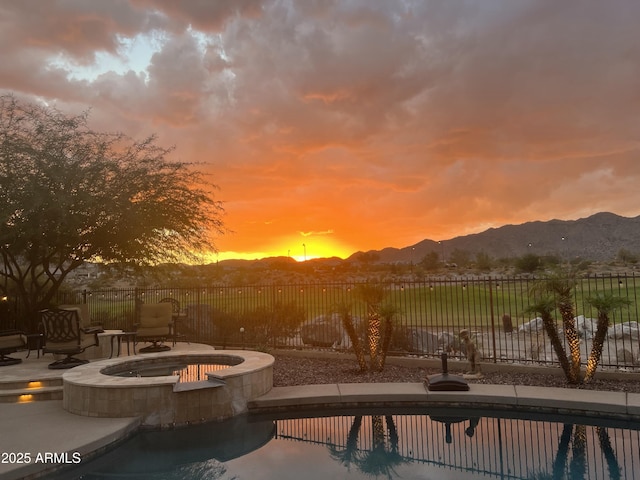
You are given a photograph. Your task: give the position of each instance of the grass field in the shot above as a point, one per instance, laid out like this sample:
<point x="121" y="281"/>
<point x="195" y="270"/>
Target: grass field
<point x="435" y="303"/>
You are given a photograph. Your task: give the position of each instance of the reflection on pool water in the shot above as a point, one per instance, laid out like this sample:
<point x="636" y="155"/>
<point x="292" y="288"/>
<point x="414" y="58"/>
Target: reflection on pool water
<point x="440" y="444"/>
<point x="193" y="372"/>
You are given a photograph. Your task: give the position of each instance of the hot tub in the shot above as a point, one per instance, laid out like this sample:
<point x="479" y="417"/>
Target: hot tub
<point x="165" y="400"/>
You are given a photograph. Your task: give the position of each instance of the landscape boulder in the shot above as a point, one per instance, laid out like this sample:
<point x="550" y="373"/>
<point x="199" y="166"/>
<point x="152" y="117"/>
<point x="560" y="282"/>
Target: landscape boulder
<point x="586" y="327"/>
<point x="450" y="342"/>
<point x="625" y="357"/>
<point x="622" y="330"/>
<point x="532" y="326"/>
<point x="421" y="340"/>
<point x="322" y="331"/>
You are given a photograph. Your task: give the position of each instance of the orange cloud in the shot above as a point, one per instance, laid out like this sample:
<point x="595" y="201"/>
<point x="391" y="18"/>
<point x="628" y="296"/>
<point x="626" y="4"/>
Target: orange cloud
<point x="363" y="124"/>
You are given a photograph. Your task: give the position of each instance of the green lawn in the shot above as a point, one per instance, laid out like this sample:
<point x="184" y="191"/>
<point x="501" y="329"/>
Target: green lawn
<point x="438" y="303"/>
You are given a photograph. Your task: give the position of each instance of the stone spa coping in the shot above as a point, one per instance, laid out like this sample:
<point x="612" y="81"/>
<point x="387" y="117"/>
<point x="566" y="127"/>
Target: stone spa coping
<point x="164" y="401"/>
<point x="102" y="373"/>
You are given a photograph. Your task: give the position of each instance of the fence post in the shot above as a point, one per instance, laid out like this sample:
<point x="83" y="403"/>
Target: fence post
<point x="493" y="321"/>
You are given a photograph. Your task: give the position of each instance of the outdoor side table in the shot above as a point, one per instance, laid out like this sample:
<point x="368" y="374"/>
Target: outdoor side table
<point x="177" y="321"/>
<point x="119" y="336"/>
<point x="127" y="337"/>
<point x="112" y="335"/>
<point x="34" y="339"/>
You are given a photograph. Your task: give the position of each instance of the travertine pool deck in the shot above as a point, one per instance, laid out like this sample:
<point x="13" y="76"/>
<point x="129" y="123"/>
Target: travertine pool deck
<point x="504" y="397"/>
<point x="45" y="427"/>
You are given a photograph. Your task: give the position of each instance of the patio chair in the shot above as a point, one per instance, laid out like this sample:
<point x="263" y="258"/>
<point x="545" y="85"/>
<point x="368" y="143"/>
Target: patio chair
<point x="64" y="335"/>
<point x="85" y="318"/>
<point x="11" y="341"/>
<point x="155" y="325"/>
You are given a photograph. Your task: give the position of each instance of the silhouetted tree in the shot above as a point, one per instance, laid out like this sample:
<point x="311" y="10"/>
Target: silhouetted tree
<point x="528" y="263"/>
<point x="69" y="194"/>
<point x="430" y="261"/>
<point x="626" y="257"/>
<point x="484" y="262"/>
<point x="462" y="258"/>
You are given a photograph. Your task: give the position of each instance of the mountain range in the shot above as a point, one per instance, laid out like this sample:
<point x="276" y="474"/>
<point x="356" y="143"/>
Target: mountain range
<point x="598" y="238"/>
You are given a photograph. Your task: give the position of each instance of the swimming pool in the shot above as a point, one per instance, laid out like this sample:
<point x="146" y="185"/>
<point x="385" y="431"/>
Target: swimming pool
<point x="381" y="443"/>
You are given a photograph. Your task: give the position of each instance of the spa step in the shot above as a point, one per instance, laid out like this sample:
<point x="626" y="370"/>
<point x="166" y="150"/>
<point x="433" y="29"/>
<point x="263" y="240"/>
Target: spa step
<point x="25" y="395"/>
<point x="30" y="384"/>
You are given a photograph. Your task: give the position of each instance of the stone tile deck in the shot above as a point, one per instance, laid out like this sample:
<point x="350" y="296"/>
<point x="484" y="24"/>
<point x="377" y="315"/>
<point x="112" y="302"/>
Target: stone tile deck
<point x="45" y="427"/>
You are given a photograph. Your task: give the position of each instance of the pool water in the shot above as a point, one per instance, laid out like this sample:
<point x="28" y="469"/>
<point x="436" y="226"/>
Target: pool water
<point x="439" y="444"/>
<point x="192" y="372"/>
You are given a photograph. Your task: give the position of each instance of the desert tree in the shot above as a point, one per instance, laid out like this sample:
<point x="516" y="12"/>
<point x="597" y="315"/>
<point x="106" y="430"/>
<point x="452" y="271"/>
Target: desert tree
<point x="528" y="263"/>
<point x="69" y="195"/>
<point x="430" y="261"/>
<point x="625" y="256"/>
<point x="484" y="262"/>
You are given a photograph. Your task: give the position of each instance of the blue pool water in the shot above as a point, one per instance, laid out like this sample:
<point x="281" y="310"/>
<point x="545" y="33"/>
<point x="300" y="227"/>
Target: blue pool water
<point x="438" y="444"/>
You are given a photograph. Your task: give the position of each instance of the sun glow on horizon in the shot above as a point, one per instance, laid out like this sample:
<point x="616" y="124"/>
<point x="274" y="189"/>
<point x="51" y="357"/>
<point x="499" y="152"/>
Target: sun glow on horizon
<point x="308" y="249"/>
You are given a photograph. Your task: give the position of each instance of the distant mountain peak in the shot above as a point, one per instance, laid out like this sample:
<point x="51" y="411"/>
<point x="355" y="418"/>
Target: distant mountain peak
<point x="598" y="237"/>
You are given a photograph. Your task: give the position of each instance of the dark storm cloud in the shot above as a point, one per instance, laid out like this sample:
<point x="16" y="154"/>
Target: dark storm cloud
<point x="421" y="118"/>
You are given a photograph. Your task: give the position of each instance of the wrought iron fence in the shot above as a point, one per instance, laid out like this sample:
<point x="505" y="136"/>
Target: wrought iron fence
<point x="429" y="314"/>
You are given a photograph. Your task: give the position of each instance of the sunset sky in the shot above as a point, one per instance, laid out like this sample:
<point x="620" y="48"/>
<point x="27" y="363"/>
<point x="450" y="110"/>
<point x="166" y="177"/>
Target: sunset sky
<point x="333" y="126"/>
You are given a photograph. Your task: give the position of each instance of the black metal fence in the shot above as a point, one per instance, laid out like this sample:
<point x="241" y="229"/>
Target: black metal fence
<point x="428" y="316"/>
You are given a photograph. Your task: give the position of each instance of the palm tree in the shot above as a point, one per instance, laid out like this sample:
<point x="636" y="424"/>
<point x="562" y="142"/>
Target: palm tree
<point x="605" y="304"/>
<point x="609" y="454"/>
<point x="578" y="465"/>
<point x="373" y="336"/>
<point x="559" y="287"/>
<point x="544" y="307"/>
<point x="344" y="310"/>
<point x="562" y="284"/>
<point x="379" y="329"/>
<point x="556" y="291"/>
<point x="388" y="312"/>
<point x="563" y="451"/>
<point x="373" y="294"/>
<point x="383" y="456"/>
<point x="575" y="436"/>
<point x="350" y="453"/>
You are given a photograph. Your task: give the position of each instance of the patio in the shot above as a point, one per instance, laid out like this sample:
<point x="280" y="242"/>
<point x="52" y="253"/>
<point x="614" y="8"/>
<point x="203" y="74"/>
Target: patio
<point x="36" y="423"/>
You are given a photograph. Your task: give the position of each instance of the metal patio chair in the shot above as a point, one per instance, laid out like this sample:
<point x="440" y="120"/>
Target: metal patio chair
<point x="64" y="335"/>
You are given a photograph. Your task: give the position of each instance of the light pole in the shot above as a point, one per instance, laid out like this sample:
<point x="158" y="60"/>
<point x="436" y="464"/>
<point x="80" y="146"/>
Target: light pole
<point x="413" y="249"/>
<point x="305" y="251"/>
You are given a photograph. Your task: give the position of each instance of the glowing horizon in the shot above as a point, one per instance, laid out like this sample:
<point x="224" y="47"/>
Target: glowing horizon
<point x="355" y="126"/>
<point x="297" y="249"/>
